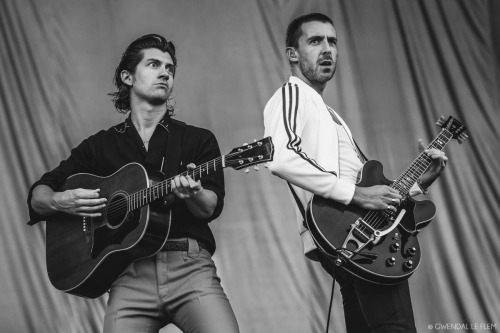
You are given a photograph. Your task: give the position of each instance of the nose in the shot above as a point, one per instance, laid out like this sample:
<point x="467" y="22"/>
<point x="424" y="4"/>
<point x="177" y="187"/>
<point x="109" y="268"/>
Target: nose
<point x="164" y="73"/>
<point x="327" y="48"/>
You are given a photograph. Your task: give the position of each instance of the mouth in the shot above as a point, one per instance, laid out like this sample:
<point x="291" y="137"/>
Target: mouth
<point x="164" y="85"/>
<point x="326" y="63"/>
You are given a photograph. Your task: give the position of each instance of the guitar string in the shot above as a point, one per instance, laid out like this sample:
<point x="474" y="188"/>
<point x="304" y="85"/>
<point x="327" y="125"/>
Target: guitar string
<point x="136" y="198"/>
<point x="422" y="162"/>
<point x="419" y="162"/>
<point x="194" y="172"/>
<point x="380" y="217"/>
<point x="116" y="208"/>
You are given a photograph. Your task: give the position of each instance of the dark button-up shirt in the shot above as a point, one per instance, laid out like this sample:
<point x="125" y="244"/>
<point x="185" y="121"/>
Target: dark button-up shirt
<point x="105" y="152"/>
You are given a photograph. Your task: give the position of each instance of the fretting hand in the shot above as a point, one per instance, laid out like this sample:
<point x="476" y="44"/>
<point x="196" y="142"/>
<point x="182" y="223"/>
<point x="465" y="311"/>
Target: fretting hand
<point x="439" y="161"/>
<point x="200" y="202"/>
<point x="184" y="186"/>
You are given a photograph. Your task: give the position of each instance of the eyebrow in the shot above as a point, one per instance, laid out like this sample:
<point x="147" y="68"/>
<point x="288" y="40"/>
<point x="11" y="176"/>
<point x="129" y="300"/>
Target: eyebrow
<point x="320" y="37"/>
<point x="158" y="61"/>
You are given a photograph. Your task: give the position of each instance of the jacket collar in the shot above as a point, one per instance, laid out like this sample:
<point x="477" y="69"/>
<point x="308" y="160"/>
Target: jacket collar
<point x="302" y="84"/>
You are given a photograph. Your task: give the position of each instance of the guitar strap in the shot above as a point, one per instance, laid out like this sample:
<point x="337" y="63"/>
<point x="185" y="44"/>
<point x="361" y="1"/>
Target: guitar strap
<point x="176" y="131"/>
<point x="297" y="202"/>
<point x="361" y="156"/>
<point x="360" y="153"/>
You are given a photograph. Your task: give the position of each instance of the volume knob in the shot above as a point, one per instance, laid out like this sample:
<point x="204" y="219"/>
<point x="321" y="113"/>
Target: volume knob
<point x="411" y="251"/>
<point x="390" y="261"/>
<point x="394" y="247"/>
<point x="408" y="264"/>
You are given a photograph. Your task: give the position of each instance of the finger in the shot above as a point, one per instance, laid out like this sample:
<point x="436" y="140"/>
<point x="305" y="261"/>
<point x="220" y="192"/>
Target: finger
<point x="191" y="166"/>
<point x="183" y="189"/>
<point x="175" y="186"/>
<point x="89" y="214"/>
<point x="443" y="160"/>
<point x="392" y="208"/>
<point x="90" y="210"/>
<point x="184" y="182"/>
<point x="177" y="182"/>
<point x="434" y="153"/>
<point x="393" y="193"/>
<point x="178" y="193"/>
<point x="91" y="202"/>
<point x="86" y="193"/>
<point x="192" y="183"/>
<point x="395" y="202"/>
<point x="421" y="146"/>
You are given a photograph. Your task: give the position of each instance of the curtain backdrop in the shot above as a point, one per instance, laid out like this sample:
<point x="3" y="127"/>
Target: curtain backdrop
<point x="402" y="65"/>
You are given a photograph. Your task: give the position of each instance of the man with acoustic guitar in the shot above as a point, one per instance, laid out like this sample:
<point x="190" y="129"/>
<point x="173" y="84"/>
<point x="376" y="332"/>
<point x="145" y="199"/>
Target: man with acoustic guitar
<point x="179" y="284"/>
<point x="316" y="154"/>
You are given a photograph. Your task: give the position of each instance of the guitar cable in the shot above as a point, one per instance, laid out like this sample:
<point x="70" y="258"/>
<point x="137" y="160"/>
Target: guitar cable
<point x="367" y="255"/>
<point x="330" y="307"/>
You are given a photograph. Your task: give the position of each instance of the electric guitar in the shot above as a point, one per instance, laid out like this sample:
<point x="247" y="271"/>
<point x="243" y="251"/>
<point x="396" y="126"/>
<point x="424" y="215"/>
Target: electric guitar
<point x="86" y="255"/>
<point x="379" y="246"/>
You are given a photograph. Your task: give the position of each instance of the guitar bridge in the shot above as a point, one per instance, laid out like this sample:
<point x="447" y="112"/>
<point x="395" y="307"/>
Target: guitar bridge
<point x="360" y="235"/>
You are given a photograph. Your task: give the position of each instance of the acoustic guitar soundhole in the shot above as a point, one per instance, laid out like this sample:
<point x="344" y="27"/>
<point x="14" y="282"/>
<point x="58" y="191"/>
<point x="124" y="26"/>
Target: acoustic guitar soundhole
<point x="117" y="209"/>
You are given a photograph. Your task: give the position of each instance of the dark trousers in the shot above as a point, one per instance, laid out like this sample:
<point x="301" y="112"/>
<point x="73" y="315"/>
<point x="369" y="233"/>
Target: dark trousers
<point x="370" y="307"/>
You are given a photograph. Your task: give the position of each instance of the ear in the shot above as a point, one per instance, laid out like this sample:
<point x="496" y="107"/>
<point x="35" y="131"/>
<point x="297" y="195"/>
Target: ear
<point x="126" y="77"/>
<point x="291" y="54"/>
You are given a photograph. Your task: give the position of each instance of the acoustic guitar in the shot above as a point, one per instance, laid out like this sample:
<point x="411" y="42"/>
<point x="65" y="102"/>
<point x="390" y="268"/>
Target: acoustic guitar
<point x="86" y="255"/>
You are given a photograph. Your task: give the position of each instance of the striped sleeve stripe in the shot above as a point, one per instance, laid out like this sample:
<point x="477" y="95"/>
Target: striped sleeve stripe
<point x="290" y="96"/>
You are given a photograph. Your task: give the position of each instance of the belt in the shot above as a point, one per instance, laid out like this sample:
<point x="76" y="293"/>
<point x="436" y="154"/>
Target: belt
<point x="181" y="245"/>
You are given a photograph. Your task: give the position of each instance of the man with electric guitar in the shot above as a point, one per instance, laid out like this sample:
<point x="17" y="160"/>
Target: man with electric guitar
<point x="108" y="222"/>
<point x="357" y="224"/>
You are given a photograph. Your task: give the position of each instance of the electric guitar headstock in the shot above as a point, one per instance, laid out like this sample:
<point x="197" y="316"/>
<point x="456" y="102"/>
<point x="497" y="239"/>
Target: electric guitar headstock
<point x="250" y="154"/>
<point x="455" y="127"/>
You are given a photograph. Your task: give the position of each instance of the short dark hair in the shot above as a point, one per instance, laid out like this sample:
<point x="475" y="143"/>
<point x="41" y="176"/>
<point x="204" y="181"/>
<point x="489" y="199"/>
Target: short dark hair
<point x="294" y="30"/>
<point x="130" y="58"/>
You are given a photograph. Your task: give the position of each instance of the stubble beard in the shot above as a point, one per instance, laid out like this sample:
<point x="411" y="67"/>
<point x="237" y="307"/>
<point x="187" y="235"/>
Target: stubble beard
<point x="160" y="98"/>
<point x="315" y="74"/>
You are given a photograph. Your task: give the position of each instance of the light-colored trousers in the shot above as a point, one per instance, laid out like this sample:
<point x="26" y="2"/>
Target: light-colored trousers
<point x="179" y="287"/>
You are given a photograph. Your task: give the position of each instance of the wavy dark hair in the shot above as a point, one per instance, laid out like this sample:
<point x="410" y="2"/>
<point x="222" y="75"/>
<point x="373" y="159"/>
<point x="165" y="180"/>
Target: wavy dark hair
<point x="294" y="30"/>
<point x="130" y="58"/>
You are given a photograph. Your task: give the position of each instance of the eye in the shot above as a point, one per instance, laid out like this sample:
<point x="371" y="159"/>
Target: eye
<point x="154" y="63"/>
<point x="170" y="70"/>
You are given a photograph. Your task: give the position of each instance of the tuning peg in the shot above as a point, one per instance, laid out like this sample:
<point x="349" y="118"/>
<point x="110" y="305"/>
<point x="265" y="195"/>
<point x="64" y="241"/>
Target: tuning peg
<point x="245" y="144"/>
<point x="462" y="137"/>
<point x="266" y="165"/>
<point x="247" y="170"/>
<point x="256" y="168"/>
<point x="440" y="121"/>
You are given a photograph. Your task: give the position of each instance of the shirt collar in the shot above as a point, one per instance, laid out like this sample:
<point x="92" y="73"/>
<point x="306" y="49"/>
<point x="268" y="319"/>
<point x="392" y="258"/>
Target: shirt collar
<point x="122" y="127"/>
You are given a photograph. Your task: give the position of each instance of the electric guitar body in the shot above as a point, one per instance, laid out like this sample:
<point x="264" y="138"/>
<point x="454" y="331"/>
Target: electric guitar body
<point x="386" y="259"/>
<point x="379" y="246"/>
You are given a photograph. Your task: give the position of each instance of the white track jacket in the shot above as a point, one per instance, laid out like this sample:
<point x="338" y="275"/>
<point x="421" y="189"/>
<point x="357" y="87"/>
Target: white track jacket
<point x="306" y="148"/>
